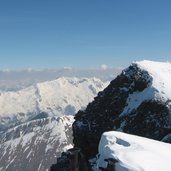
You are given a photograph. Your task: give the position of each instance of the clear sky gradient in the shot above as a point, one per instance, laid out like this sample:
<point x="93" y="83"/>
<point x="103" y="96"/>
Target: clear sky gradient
<point x="83" y="33"/>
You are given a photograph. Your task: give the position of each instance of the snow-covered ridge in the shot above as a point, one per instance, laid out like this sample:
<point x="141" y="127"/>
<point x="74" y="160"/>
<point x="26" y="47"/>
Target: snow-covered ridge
<point x="63" y="96"/>
<point x="161" y="74"/>
<point x="158" y="74"/>
<point x="36" y="144"/>
<point x="134" y="153"/>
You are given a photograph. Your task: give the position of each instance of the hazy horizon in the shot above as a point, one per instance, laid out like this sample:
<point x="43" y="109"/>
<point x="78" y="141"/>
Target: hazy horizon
<point x="12" y="80"/>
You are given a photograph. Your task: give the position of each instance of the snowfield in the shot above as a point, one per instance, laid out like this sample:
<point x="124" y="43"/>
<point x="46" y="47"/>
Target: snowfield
<point x="134" y="153"/>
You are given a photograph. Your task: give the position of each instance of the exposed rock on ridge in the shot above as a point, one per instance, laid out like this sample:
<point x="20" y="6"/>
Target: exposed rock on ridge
<point x="130" y="104"/>
<point x="138" y="102"/>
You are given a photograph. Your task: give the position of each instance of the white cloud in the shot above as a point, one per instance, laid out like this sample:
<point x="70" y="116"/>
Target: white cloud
<point x="67" y="68"/>
<point x="103" y="66"/>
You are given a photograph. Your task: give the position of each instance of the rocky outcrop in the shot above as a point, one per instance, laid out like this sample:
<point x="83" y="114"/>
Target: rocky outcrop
<point x="108" y="112"/>
<point x="151" y="119"/>
<point x="103" y="114"/>
<point x="131" y="104"/>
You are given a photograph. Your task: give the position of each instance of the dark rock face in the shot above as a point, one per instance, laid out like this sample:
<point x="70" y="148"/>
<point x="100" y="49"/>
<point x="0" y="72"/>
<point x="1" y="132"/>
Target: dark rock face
<point x="72" y="160"/>
<point x="103" y="113"/>
<point x="63" y="163"/>
<point x="150" y="119"/>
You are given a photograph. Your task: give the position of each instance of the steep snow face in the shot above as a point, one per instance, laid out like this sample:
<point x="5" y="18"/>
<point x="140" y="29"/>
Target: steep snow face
<point x="161" y="74"/>
<point x="63" y="96"/>
<point x="133" y="153"/>
<point x="35" y="145"/>
<point x="68" y="95"/>
<point x="158" y="74"/>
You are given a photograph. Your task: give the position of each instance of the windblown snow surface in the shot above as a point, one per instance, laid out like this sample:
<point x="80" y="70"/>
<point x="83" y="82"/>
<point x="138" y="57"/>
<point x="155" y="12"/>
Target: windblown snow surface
<point x="134" y="153"/>
<point x="160" y="88"/>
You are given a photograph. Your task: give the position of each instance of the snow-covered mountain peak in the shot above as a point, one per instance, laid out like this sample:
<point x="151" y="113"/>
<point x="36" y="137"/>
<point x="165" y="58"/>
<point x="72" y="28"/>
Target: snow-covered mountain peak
<point x="153" y="65"/>
<point x="161" y="74"/>
<point x="138" y="101"/>
<point x="155" y="77"/>
<point x="63" y="96"/>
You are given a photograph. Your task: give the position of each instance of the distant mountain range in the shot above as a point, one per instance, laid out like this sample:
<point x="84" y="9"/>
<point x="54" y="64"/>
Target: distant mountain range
<point x="63" y="96"/>
<point x="13" y="80"/>
<point x="36" y="122"/>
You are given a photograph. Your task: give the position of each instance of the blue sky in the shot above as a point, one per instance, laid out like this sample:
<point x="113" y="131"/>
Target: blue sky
<point x="83" y="33"/>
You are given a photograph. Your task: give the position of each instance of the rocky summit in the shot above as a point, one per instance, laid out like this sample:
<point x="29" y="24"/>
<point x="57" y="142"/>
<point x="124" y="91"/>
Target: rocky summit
<point x="138" y="102"/>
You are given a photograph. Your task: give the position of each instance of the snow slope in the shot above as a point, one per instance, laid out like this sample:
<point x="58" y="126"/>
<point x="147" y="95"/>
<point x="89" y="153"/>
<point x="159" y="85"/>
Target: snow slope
<point x="35" y="145"/>
<point x="160" y="73"/>
<point x="134" y="153"/>
<point x="62" y="96"/>
<point x="159" y="88"/>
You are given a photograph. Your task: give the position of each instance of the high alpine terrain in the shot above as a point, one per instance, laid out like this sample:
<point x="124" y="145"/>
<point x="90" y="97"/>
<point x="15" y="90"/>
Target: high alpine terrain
<point x="36" y="122"/>
<point x="64" y="96"/>
<point x="138" y="101"/>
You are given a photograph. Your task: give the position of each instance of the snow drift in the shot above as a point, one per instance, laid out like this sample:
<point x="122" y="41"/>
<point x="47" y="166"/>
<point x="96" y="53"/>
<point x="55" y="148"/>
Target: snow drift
<point x="134" y="153"/>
